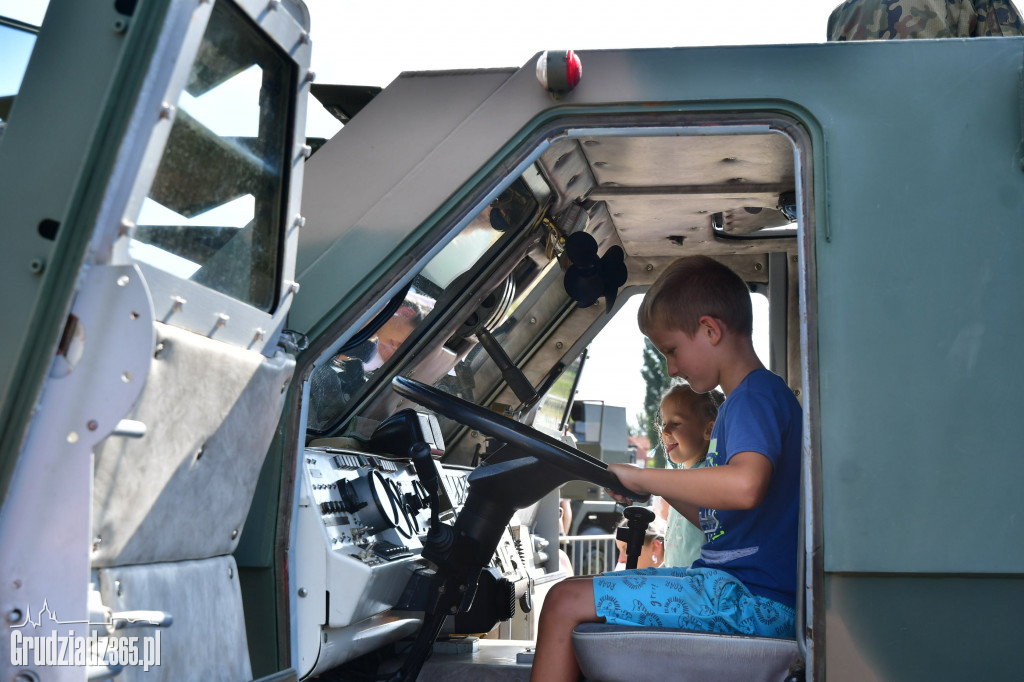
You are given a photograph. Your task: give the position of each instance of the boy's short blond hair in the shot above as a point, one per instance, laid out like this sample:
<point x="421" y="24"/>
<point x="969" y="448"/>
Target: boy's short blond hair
<point x="692" y="287"/>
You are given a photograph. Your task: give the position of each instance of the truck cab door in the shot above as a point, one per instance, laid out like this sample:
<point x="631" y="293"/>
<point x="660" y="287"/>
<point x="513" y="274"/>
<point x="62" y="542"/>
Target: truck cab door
<point x="150" y="174"/>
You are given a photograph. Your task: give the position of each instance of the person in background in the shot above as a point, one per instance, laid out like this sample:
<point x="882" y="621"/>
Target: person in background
<point x="377" y="350"/>
<point x="334" y="383"/>
<point x="564" y="528"/>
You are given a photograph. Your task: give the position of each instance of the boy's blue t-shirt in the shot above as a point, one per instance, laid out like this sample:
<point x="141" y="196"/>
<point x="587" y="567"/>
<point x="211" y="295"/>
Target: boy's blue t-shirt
<point x="758" y="546"/>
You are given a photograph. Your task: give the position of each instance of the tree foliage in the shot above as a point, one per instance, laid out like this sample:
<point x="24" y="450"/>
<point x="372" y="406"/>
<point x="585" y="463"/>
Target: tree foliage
<point x="655" y="374"/>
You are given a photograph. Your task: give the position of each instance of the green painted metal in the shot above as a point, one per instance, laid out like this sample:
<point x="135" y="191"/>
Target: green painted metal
<point x="904" y="628"/>
<point x="919" y="312"/>
<point x="264" y="582"/>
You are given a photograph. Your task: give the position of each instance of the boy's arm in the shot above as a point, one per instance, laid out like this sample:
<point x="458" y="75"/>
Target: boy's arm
<point x="740" y="484"/>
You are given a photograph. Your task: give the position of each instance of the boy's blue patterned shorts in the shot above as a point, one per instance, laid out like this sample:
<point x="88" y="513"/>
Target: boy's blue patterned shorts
<point x="701" y="599"/>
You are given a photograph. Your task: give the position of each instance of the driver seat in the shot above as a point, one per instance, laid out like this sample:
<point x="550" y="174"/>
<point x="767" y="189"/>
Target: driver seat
<point x="614" y="653"/>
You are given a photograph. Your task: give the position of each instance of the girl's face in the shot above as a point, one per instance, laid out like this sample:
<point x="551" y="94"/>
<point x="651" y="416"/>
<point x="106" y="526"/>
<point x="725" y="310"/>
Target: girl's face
<point x="684" y="432"/>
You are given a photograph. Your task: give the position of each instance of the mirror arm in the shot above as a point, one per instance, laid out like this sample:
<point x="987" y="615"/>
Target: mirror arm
<point x="513" y="376"/>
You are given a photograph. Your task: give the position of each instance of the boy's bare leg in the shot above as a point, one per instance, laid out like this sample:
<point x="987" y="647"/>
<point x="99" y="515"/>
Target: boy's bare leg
<point x="568" y="604"/>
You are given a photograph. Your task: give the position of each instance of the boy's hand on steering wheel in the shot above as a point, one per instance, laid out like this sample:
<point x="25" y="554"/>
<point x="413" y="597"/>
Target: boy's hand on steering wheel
<point x="621" y="499"/>
<point x="626" y="473"/>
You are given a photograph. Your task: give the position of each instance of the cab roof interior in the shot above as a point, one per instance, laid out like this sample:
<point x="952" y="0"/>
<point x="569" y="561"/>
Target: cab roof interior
<point x="661" y="197"/>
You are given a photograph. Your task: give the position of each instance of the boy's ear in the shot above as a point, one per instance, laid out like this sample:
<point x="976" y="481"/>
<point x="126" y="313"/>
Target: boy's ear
<point x="711" y="328"/>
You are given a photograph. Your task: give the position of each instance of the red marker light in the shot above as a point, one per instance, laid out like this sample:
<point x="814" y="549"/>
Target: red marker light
<point x="559" y="72"/>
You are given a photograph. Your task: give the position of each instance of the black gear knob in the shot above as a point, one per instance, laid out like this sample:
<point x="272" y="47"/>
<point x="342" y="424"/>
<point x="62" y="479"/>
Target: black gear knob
<point x="639" y="515"/>
<point x="637" y="520"/>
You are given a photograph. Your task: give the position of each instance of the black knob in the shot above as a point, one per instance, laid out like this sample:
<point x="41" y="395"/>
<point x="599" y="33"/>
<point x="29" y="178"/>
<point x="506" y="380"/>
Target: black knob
<point x="413" y="502"/>
<point x="641" y="515"/>
<point x="637" y="520"/>
<point x="350" y="501"/>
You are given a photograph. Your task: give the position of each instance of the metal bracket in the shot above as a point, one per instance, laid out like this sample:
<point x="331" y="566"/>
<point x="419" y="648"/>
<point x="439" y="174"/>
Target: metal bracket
<point x="103" y="364"/>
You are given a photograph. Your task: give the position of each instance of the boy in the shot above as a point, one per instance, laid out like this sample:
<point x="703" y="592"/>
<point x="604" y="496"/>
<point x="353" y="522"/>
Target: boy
<point x="746" y="499"/>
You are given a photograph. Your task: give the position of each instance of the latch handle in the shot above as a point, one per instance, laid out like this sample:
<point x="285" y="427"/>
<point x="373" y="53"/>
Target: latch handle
<point x="141" y="619"/>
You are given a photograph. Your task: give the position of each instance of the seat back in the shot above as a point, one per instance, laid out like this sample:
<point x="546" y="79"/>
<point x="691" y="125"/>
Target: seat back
<point x="615" y="653"/>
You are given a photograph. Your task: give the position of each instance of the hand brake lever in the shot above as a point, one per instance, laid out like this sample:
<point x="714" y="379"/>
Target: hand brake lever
<point x="439" y="535"/>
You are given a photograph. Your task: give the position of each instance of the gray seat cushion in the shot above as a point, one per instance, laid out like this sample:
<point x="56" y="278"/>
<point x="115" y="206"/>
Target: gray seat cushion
<point x="615" y="653"/>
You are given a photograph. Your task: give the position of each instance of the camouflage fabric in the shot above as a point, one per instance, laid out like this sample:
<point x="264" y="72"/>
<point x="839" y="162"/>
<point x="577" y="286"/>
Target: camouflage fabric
<point x="900" y="19"/>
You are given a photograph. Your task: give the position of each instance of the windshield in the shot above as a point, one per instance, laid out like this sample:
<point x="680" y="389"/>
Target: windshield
<point x="435" y="297"/>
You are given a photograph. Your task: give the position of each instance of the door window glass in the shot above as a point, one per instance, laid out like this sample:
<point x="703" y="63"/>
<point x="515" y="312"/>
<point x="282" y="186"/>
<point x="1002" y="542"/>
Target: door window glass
<point x="16" y="43"/>
<point x="213" y="212"/>
<point x="434" y="292"/>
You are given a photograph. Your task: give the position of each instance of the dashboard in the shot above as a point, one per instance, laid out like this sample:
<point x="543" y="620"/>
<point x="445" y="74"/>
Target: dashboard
<point x="374" y="509"/>
<point x="361" y="521"/>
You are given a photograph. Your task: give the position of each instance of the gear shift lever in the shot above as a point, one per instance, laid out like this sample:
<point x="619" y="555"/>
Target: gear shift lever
<point x="637" y="520"/>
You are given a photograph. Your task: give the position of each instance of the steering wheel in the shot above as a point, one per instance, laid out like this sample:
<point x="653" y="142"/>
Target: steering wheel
<point x="577" y="465"/>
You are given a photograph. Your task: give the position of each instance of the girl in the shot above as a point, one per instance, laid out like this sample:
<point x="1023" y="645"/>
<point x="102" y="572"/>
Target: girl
<point x="687" y="418"/>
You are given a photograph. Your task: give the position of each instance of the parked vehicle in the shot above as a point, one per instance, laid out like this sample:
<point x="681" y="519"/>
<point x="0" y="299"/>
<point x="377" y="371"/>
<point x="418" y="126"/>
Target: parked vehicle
<point x="600" y="431"/>
<point x="272" y="407"/>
